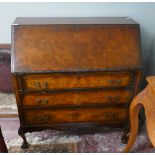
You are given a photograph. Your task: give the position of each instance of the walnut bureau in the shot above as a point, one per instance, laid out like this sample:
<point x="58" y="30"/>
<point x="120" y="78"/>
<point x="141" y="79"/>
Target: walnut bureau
<point x="74" y="72"/>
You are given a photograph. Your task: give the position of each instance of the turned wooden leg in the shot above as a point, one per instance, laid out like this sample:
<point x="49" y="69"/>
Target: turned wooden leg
<point x="22" y="134"/>
<point x="126" y="131"/>
<point x="134" y="113"/>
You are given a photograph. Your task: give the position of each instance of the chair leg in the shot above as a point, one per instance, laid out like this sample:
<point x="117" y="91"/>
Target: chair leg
<point x="134" y="113"/>
<point x="150" y="144"/>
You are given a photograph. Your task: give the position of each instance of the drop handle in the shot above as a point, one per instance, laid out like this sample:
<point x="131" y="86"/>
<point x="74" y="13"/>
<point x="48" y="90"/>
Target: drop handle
<point x="37" y="84"/>
<point x="114" y="99"/>
<point x="46" y="100"/>
<point x="38" y="100"/>
<point x="45" y="84"/>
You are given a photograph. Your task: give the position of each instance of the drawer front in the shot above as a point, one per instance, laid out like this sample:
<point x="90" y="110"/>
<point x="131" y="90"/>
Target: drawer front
<point x="78" y="98"/>
<point x="67" y="81"/>
<point x="49" y="117"/>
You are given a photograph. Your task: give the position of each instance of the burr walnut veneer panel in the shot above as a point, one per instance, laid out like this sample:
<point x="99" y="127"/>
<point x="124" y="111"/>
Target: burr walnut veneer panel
<point x="43" y="117"/>
<point x="87" y="80"/>
<point x="75" y="47"/>
<point x="98" y="97"/>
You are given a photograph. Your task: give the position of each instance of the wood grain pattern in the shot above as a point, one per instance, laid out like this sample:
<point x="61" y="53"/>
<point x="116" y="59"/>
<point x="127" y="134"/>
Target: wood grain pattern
<point x="98" y="97"/>
<point x="85" y="80"/>
<point x="49" y="117"/>
<point x="75" y="47"/>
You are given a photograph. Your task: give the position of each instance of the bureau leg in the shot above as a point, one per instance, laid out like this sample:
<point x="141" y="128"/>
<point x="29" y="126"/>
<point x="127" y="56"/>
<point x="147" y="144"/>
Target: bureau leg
<point x="22" y="134"/>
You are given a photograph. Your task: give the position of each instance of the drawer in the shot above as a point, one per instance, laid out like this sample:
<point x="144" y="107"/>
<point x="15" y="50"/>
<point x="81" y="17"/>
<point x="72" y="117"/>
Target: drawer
<point x="67" y="81"/>
<point x="78" y="98"/>
<point x="49" y="117"/>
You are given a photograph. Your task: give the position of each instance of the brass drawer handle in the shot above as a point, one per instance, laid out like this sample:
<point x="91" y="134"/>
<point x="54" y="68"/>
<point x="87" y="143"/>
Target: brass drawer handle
<point x="45" y="84"/>
<point x="114" y="99"/>
<point x="115" y="83"/>
<point x="38" y="100"/>
<point x="46" y="100"/>
<point x="37" y="84"/>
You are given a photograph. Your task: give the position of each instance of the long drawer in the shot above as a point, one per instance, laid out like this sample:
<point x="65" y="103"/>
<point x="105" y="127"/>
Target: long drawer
<point x="85" y="80"/>
<point x="78" y="98"/>
<point x="49" y="117"/>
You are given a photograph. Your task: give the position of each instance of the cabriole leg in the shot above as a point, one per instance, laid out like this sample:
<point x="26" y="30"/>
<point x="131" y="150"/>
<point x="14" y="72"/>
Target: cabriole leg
<point x="22" y="134"/>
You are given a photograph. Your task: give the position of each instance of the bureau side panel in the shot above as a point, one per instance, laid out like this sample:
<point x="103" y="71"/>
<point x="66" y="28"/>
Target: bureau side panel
<point x="16" y="84"/>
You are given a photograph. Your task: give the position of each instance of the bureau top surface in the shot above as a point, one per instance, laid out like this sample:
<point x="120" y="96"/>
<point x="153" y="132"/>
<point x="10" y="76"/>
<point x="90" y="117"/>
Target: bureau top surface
<point x="72" y="47"/>
<point x="72" y="20"/>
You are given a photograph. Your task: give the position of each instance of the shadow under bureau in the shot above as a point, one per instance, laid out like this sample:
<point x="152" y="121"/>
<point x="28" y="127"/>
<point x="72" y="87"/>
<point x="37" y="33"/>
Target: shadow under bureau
<point x="74" y="72"/>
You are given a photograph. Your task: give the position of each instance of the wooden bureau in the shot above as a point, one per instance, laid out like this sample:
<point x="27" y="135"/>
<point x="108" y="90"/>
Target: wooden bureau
<point x="74" y="72"/>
